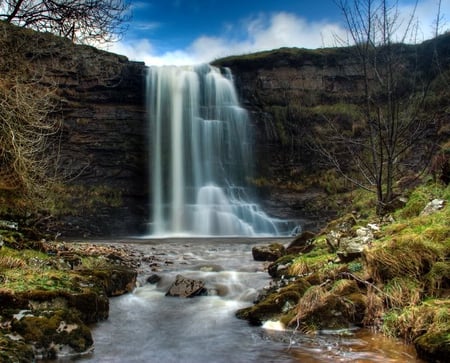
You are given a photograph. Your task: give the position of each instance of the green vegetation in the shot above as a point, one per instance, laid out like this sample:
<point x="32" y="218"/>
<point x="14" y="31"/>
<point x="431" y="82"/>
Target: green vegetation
<point x="399" y="284"/>
<point x="50" y="291"/>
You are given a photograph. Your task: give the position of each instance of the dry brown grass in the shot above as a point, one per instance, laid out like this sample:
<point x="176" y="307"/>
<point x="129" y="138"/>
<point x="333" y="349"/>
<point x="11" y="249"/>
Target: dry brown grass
<point x="411" y="322"/>
<point x="401" y="258"/>
<point x="9" y="262"/>
<point x="374" y="308"/>
<point x="403" y="291"/>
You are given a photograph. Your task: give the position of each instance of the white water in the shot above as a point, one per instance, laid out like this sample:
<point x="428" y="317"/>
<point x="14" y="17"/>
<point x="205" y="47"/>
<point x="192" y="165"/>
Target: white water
<point x="200" y="157"/>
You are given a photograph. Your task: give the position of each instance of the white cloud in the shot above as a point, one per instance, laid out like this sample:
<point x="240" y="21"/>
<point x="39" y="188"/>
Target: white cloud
<point x="426" y="14"/>
<point x="260" y="33"/>
<point x="265" y="32"/>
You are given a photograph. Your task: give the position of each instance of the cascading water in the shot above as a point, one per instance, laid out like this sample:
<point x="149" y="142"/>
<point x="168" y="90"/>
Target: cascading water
<point x="200" y="155"/>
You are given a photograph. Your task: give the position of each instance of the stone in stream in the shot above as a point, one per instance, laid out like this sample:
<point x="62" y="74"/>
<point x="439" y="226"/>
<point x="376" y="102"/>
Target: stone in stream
<point x="184" y="287"/>
<point x="270" y="252"/>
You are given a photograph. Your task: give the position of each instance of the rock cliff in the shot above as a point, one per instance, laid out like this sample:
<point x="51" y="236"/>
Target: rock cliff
<point x="287" y="92"/>
<point x="104" y="141"/>
<point x="102" y="148"/>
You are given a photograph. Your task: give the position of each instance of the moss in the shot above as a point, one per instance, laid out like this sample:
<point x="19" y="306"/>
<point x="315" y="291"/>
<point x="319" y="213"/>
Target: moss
<point x="431" y="316"/>
<point x="419" y="198"/>
<point x="54" y="327"/>
<point x="434" y="346"/>
<point x="276" y="305"/>
<point x="438" y="278"/>
<point x="78" y="199"/>
<point x="14" y="351"/>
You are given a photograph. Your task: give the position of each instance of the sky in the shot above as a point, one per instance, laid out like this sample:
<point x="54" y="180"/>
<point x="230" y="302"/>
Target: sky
<point x="184" y="32"/>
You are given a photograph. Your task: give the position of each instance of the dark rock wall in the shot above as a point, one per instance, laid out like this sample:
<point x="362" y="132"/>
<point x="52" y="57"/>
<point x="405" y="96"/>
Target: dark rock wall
<point x="102" y="146"/>
<point x="283" y="90"/>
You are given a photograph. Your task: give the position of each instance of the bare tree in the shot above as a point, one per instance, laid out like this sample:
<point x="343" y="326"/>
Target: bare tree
<point x="82" y="21"/>
<point x="393" y="129"/>
<point x="25" y="128"/>
<point x="28" y="121"/>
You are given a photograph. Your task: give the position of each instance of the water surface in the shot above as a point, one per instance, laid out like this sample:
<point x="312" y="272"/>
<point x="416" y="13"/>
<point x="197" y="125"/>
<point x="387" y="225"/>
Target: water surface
<point x="147" y="326"/>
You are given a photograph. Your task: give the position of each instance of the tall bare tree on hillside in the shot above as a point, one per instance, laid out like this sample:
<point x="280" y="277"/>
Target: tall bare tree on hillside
<point x="393" y="130"/>
<point x="82" y="21"/>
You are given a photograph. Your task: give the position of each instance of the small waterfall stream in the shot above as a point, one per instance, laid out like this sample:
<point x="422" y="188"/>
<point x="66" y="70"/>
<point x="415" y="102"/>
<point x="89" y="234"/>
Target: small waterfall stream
<point x="147" y="326"/>
<point x="201" y="157"/>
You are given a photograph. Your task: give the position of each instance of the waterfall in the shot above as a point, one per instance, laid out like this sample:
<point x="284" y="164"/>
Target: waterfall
<point x="200" y="156"/>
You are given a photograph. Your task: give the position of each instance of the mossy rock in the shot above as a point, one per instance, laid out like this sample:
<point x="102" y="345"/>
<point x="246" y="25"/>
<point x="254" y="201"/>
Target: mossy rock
<point x="302" y="244"/>
<point x="15" y="351"/>
<point x="434" y="346"/>
<point x="279" y="268"/>
<point x="270" y="252"/>
<point x="51" y="331"/>
<point x="92" y="305"/>
<point x="114" y="280"/>
<point x="335" y="307"/>
<point x="343" y="224"/>
<point x="275" y="304"/>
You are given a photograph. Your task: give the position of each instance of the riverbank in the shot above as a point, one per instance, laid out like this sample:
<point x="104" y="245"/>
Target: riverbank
<point x="389" y="274"/>
<point x="52" y="291"/>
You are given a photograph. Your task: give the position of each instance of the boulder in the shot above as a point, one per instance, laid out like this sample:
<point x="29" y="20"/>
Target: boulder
<point x="433" y="346"/>
<point x="302" y="244"/>
<point x="352" y="248"/>
<point x="432" y="207"/>
<point x="185" y="287"/>
<point x="52" y="333"/>
<point x="153" y="279"/>
<point x="270" y="252"/>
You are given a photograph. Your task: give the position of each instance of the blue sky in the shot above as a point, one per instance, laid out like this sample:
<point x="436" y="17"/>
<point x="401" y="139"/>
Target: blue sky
<point x="195" y="31"/>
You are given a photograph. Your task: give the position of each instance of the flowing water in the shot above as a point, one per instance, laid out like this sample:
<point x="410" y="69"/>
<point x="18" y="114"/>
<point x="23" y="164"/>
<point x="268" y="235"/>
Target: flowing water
<point x="200" y="151"/>
<point x="146" y="326"/>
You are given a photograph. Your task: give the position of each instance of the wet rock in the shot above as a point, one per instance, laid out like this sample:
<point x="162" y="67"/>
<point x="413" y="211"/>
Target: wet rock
<point x="276" y="304"/>
<point x="302" y="243"/>
<point x="270" y="252"/>
<point x="153" y="279"/>
<point x="185" y="287"/>
<point x="433" y="346"/>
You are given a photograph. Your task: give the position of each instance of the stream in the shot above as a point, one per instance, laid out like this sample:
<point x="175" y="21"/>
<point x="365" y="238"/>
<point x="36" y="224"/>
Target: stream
<point x="147" y="326"/>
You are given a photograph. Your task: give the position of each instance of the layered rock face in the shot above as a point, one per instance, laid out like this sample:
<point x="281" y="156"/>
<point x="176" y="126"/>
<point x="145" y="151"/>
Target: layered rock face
<point x="101" y="148"/>
<point x="287" y="91"/>
<point x="104" y="143"/>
